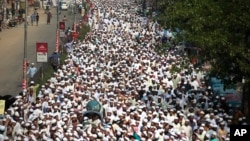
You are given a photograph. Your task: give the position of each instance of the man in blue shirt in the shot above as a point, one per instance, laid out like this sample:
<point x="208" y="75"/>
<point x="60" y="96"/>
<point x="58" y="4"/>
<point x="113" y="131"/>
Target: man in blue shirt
<point x="32" y="71"/>
<point x="55" y="60"/>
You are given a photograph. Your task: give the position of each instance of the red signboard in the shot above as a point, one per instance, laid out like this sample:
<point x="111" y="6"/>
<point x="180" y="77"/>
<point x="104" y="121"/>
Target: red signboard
<point x="62" y="25"/>
<point x="42" y="47"/>
<point x="42" y="52"/>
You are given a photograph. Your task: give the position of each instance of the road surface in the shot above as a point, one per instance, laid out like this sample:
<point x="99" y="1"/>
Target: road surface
<point x="12" y="48"/>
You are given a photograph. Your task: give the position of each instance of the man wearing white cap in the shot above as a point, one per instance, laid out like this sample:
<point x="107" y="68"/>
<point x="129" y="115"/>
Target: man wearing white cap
<point x="32" y="92"/>
<point x="16" y="129"/>
<point x="187" y="129"/>
<point x="201" y="133"/>
<point x="32" y="71"/>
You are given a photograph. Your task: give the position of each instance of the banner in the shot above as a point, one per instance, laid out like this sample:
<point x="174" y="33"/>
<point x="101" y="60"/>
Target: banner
<point x="2" y="106"/>
<point x="42" y="52"/>
<point x="57" y="40"/>
<point x="24" y="82"/>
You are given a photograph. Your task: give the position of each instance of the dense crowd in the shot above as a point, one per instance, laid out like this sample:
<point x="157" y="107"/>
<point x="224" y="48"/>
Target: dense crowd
<point x="142" y="97"/>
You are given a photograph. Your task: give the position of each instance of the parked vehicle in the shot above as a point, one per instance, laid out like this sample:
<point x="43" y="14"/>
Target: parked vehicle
<point x="64" y="5"/>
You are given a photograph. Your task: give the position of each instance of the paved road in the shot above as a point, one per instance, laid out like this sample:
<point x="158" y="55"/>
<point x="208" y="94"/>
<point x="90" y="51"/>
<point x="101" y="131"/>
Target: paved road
<point x="12" y="49"/>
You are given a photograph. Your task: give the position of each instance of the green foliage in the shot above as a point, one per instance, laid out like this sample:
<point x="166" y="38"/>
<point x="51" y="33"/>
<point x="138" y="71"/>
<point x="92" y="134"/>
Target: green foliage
<point x="221" y="28"/>
<point x="175" y="69"/>
<point x="84" y="30"/>
<point x="162" y="49"/>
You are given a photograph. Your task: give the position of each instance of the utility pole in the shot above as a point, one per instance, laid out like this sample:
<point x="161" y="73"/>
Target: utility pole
<point x="24" y="84"/>
<point x="57" y="26"/>
<point x="75" y="13"/>
<point x="57" y="14"/>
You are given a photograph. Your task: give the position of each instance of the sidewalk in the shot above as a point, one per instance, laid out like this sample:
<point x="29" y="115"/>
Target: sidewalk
<point x="31" y="9"/>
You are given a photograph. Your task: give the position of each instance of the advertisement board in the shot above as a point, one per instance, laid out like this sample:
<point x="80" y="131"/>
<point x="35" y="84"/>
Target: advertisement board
<point x="42" y="52"/>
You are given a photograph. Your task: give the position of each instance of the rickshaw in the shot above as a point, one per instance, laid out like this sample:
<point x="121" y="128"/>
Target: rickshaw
<point x="94" y="108"/>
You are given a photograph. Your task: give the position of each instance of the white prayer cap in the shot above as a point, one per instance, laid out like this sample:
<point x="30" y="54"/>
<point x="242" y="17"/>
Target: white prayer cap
<point x="214" y="133"/>
<point x="2" y="128"/>
<point x="76" y="134"/>
<point x="213" y="125"/>
<point x="24" y="91"/>
<point x="155" y="120"/>
<point x="99" y="134"/>
<point x="78" y="128"/>
<point x="48" y="122"/>
<point x="40" y="122"/>
<point x="18" y="97"/>
<point x="46" y="91"/>
<point x="94" y="135"/>
<point x="79" y="125"/>
<point x="84" y="134"/>
<point x="27" y="124"/>
<point x="52" y="86"/>
<point x="53" y="128"/>
<point x="166" y="137"/>
<point x="16" y="114"/>
<point x="44" y="137"/>
<point x="201" y="128"/>
<point x="53" y="121"/>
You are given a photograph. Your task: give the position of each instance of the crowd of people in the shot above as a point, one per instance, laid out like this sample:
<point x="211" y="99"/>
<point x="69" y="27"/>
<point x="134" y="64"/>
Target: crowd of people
<point x="143" y="96"/>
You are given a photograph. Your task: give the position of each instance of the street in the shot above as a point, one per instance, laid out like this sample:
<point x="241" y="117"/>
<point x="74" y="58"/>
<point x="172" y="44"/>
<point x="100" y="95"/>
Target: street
<point x="12" y="48"/>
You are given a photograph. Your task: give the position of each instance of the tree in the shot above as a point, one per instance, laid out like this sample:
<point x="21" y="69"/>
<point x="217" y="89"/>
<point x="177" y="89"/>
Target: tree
<point x="220" y="27"/>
